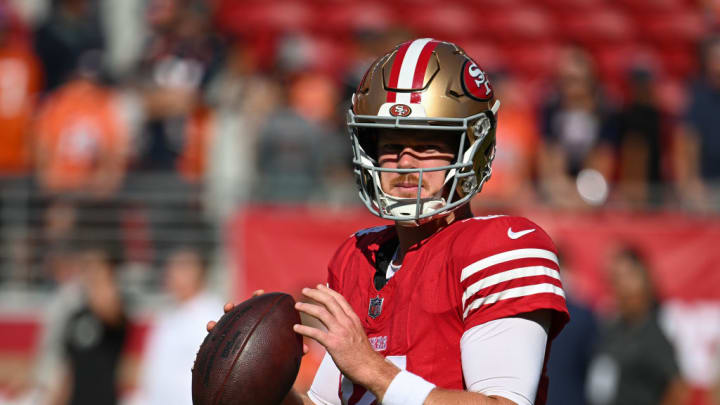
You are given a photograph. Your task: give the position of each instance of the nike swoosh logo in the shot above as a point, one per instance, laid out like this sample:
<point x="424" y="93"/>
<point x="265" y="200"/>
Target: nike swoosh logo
<point x="518" y="234"/>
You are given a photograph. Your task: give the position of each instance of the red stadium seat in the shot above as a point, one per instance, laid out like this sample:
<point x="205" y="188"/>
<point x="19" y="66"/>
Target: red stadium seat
<point x="522" y="24"/>
<point x="329" y="56"/>
<point x="644" y="6"/>
<point x="330" y="3"/>
<point x="486" y="54"/>
<point x="684" y="27"/>
<point x="680" y="61"/>
<point x="416" y="3"/>
<point x="343" y="17"/>
<point x="443" y="21"/>
<point x="564" y="5"/>
<point x="615" y="61"/>
<point x="497" y="5"/>
<point x="252" y="17"/>
<point x="533" y="61"/>
<point x="599" y="26"/>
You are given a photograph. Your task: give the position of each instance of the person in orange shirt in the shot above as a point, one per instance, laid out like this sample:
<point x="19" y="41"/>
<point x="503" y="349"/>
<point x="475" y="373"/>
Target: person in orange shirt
<point x="82" y="140"/>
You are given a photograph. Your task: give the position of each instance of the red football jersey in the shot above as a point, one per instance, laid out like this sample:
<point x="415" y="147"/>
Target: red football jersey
<point x="471" y="272"/>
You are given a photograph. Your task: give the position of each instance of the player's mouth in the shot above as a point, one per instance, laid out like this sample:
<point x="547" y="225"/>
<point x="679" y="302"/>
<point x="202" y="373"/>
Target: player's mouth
<point x="407" y="185"/>
<point x="405" y="189"/>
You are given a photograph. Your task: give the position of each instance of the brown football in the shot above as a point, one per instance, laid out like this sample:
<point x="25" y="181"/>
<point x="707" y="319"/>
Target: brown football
<point x="252" y="356"/>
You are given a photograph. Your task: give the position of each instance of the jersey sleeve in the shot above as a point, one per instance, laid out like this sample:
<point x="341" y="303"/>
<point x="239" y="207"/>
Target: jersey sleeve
<point x="509" y="266"/>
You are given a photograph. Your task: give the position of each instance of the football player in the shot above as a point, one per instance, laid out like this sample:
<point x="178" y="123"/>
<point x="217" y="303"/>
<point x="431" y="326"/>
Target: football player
<point x="440" y="307"/>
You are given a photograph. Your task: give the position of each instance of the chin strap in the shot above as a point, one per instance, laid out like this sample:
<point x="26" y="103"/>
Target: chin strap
<point x="407" y="207"/>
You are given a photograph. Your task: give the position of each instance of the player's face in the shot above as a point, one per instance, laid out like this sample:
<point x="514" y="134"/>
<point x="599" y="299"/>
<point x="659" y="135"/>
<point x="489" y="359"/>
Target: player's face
<point x="421" y="149"/>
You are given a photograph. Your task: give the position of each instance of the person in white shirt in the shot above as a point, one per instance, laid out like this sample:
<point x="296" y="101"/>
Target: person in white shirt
<point x="177" y="333"/>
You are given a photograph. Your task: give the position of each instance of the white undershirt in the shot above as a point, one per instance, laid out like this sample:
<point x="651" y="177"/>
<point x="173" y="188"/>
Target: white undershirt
<point x="392" y="268"/>
<point x="503" y="357"/>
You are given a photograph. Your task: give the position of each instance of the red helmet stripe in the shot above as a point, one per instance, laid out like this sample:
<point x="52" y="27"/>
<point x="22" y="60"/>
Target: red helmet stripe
<point x="420" y="68"/>
<point x="395" y="72"/>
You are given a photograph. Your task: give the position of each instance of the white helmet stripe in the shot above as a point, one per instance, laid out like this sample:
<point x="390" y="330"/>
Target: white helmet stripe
<point x="407" y="69"/>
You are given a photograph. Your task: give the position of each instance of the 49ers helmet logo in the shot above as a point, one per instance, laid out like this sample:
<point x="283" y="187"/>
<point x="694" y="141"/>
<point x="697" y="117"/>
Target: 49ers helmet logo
<point x="475" y="82"/>
<point x="400" y="110"/>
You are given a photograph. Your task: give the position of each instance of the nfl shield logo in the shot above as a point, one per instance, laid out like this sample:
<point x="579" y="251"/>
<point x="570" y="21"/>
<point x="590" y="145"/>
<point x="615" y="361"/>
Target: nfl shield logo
<point x="375" y="307"/>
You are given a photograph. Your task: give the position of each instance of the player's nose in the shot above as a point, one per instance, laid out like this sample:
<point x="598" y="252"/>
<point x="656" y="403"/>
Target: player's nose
<point x="407" y="158"/>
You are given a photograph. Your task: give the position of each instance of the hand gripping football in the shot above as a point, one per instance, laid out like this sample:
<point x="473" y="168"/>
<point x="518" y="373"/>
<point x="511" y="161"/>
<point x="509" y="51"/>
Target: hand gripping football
<point x="251" y="356"/>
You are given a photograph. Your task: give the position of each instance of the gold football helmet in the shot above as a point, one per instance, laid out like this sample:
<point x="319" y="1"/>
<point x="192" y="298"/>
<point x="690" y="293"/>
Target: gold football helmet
<point x="424" y="84"/>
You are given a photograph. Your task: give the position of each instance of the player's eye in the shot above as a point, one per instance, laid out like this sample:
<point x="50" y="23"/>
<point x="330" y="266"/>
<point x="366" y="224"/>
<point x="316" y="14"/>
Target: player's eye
<point x="432" y="148"/>
<point x="429" y="148"/>
<point x="391" y="148"/>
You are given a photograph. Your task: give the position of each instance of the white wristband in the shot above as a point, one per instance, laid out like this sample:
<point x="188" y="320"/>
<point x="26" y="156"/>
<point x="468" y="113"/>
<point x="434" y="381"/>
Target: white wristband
<point x="407" y="389"/>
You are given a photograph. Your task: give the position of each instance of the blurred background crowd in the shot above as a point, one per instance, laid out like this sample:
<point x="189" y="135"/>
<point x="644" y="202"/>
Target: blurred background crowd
<point x="132" y="132"/>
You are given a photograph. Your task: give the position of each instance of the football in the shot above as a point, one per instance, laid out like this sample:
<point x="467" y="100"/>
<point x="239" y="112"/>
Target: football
<point x="252" y="356"/>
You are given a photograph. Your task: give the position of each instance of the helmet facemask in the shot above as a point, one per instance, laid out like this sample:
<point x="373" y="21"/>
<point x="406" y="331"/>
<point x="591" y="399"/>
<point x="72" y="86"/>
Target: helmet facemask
<point x="465" y="175"/>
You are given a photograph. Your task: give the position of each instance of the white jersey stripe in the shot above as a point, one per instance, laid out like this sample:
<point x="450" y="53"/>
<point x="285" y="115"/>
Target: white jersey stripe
<point x="483" y="218"/>
<point x="509" y="275"/>
<point x="407" y="69"/>
<point x="514" y="293"/>
<point x="506" y="257"/>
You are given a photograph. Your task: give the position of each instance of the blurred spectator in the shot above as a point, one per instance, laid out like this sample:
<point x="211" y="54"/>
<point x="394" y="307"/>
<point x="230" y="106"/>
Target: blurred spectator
<point x="181" y="55"/>
<point x="299" y="150"/>
<point x="698" y="159"/>
<point x="65" y="300"/>
<point x="178" y="332"/>
<point x="573" y="348"/>
<point x="517" y="142"/>
<point x="242" y="98"/>
<point x="72" y="28"/>
<point x="577" y="132"/>
<point x="82" y="138"/>
<point x="94" y="334"/>
<point x="635" y="362"/>
<point x="640" y="142"/>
